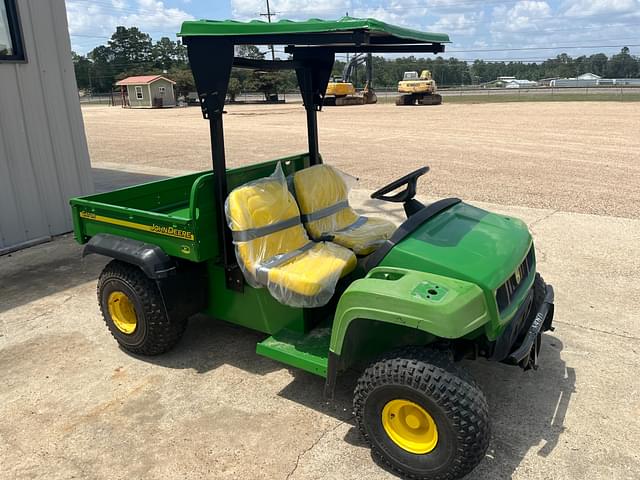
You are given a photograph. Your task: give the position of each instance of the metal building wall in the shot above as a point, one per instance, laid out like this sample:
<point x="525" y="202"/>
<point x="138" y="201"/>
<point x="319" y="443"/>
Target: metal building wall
<point x="43" y="149"/>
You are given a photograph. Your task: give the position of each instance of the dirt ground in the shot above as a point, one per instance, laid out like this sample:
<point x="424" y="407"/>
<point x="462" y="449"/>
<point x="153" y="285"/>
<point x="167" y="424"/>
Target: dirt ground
<point x="574" y="156"/>
<point x="74" y="405"/>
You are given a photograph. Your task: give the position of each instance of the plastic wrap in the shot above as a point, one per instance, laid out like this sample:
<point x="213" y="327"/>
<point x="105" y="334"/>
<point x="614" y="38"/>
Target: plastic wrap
<point x="322" y="195"/>
<point x="273" y="249"/>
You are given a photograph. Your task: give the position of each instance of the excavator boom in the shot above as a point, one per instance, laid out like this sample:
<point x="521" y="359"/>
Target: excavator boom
<point x="341" y="91"/>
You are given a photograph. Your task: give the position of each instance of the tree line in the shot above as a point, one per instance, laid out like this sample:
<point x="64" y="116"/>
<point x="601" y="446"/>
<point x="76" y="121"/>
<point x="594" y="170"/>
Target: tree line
<point x="133" y="52"/>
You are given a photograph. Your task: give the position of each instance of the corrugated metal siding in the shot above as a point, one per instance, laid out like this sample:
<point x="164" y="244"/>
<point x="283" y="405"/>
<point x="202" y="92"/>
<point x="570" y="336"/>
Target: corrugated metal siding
<point x="44" y="159"/>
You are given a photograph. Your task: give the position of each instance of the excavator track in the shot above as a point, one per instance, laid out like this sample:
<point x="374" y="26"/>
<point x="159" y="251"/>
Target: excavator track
<point x="349" y="100"/>
<point x="405" y="100"/>
<point x="435" y="99"/>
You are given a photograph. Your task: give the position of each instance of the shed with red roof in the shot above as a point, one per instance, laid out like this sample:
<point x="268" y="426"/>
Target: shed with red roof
<point x="147" y="91"/>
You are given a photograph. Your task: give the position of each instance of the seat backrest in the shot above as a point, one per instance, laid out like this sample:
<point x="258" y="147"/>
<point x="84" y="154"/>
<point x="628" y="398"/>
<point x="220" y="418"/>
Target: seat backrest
<point x="322" y="195"/>
<point x="265" y="222"/>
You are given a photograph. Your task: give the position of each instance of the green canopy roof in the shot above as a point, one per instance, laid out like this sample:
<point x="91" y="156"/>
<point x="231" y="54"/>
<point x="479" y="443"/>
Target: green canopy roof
<point x="373" y="27"/>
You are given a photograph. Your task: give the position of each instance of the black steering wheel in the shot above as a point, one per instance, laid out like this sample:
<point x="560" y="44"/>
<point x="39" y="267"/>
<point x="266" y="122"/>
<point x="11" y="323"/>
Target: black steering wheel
<point x="405" y="195"/>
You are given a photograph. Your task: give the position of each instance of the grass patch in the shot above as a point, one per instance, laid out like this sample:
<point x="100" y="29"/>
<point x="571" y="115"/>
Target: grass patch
<point x="540" y="97"/>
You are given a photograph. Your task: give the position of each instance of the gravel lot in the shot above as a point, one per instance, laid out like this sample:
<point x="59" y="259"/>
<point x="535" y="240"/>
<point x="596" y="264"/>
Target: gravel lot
<point x="575" y="156"/>
<point x="74" y="405"/>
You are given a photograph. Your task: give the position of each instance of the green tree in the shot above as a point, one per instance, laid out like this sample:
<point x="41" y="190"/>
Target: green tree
<point x="249" y="51"/>
<point x="622" y="65"/>
<point x="164" y="53"/>
<point x="102" y="69"/>
<point x="184" y="81"/>
<point x="599" y="64"/>
<point x="234" y="89"/>
<point x="269" y="83"/>
<point x="130" y="48"/>
<point x="82" y="67"/>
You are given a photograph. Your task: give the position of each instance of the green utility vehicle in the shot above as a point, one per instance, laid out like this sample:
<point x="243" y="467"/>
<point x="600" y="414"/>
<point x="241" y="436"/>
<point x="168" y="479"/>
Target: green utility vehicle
<point x="284" y="254"/>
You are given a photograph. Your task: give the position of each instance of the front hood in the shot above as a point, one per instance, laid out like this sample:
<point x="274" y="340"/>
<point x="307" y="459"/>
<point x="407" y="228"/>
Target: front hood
<point x="467" y="243"/>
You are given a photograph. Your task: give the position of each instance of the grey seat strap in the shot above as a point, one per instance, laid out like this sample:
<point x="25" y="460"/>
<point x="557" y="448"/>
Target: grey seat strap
<point x="253" y="233"/>
<point x="262" y="272"/>
<point x="358" y="223"/>
<point x="324" y="212"/>
<point x="291" y="186"/>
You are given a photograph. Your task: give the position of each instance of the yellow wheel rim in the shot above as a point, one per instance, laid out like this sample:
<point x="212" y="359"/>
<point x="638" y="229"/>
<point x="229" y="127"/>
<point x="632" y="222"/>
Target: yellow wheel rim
<point x="122" y="312"/>
<point x="410" y="426"/>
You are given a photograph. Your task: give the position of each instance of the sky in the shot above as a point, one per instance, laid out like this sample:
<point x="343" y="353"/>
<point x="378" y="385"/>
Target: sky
<point x="524" y="30"/>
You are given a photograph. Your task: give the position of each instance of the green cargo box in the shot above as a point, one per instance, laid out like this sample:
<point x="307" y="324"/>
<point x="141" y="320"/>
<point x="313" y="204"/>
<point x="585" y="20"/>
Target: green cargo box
<point x="177" y="214"/>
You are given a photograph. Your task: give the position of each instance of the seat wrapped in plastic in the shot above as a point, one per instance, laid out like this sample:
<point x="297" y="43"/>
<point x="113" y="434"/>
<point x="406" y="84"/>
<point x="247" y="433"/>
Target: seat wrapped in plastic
<point x="273" y="249"/>
<point x="322" y="195"/>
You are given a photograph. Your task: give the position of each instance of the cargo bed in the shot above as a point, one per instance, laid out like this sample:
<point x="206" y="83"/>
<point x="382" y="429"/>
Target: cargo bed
<point x="177" y="214"/>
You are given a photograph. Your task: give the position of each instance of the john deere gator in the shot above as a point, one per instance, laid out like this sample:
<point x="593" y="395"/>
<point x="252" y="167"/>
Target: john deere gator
<point x="276" y="247"/>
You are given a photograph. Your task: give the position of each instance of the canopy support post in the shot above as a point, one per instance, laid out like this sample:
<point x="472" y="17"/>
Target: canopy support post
<point x="312" y="134"/>
<point x="313" y="69"/>
<point x="212" y="81"/>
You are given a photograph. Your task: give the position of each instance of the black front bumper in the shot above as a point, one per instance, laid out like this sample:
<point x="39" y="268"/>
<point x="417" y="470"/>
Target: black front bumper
<point x="526" y="351"/>
<point x="519" y="343"/>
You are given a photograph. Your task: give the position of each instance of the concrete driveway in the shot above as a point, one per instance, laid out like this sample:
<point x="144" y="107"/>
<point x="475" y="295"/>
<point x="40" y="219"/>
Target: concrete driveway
<point x="73" y="405"/>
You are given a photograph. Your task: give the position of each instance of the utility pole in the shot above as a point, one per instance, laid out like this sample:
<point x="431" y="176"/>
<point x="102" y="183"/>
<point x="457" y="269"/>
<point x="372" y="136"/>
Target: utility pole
<point x="269" y="15"/>
<point x="346" y="14"/>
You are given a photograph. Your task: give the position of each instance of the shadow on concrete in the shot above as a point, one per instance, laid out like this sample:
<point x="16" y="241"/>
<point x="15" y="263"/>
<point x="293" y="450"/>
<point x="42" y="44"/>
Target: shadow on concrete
<point x="37" y="272"/>
<point x="106" y="179"/>
<point x="527" y="408"/>
<point x="208" y="343"/>
<point x="53" y="267"/>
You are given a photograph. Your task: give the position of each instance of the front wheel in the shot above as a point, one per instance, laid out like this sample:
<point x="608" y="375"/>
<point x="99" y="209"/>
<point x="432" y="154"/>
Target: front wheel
<point x="422" y="415"/>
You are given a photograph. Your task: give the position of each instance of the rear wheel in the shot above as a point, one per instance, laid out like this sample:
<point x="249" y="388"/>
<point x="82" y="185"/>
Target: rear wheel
<point x="422" y="415"/>
<point x="134" y="311"/>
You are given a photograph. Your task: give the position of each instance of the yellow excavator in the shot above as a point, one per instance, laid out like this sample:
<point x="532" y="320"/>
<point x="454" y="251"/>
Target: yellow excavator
<point x="421" y="90"/>
<point x="340" y="90"/>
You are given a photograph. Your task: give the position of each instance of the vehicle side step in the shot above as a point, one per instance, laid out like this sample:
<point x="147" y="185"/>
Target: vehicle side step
<point x="307" y="351"/>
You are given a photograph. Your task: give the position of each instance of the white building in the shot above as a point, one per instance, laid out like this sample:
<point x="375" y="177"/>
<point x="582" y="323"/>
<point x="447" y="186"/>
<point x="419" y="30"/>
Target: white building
<point x="593" y="80"/>
<point x="509" y="82"/>
<point x="44" y="159"/>
<point x="584" y="80"/>
<point x="520" y="83"/>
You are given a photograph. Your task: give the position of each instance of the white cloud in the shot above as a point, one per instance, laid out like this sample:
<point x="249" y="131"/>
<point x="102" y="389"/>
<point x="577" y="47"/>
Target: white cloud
<point x="585" y="8"/>
<point x="524" y="15"/>
<point x="457" y="23"/>
<point x="89" y="18"/>
<point x="295" y="9"/>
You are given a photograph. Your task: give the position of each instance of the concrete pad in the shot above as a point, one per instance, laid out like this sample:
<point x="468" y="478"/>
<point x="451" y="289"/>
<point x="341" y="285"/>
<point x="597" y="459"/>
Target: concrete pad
<point x="74" y="405"/>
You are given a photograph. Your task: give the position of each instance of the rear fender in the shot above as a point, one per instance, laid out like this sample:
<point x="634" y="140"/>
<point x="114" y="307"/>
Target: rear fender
<point x="151" y="259"/>
<point x="182" y="284"/>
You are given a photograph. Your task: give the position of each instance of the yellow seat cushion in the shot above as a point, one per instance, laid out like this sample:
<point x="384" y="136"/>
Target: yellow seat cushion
<point x="261" y="204"/>
<point x="365" y="238"/>
<point x="255" y="213"/>
<point x="322" y="187"/>
<point x="308" y="273"/>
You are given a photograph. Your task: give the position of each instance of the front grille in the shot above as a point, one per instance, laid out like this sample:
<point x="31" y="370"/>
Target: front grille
<point x="509" y="289"/>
